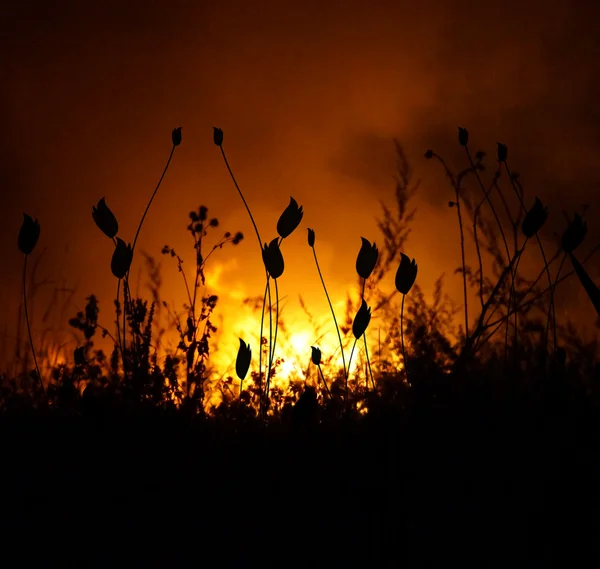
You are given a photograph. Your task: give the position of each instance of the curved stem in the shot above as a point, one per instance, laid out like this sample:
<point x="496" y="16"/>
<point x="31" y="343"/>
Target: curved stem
<point x="323" y="378"/>
<point x="150" y="202"/>
<point x="351" y="352"/>
<point x="337" y="328"/>
<point x="37" y="368"/>
<point x="272" y="346"/>
<point x="539" y="241"/>
<point x="369" y="365"/>
<point x="552" y="302"/>
<point x="243" y="199"/>
<point x="512" y="294"/>
<point x="402" y="337"/>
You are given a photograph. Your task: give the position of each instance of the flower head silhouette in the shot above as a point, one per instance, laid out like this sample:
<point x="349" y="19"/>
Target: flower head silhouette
<point x="105" y="219"/>
<point x="28" y="234"/>
<point x="289" y="219"/>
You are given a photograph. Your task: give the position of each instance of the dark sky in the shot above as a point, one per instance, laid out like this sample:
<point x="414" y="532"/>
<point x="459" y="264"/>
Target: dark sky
<point x="310" y="95"/>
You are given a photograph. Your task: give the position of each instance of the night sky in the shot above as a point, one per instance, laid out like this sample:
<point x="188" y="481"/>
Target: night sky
<point x="310" y="96"/>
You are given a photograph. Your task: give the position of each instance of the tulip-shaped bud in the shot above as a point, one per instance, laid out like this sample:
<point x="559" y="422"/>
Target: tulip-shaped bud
<point x="217" y="136"/>
<point x="315" y="355"/>
<point x="463" y="136"/>
<point x="28" y="234"/>
<point x="121" y="259"/>
<point x="273" y="259"/>
<point x="535" y="219"/>
<point x="367" y="259"/>
<point x="361" y="320"/>
<point x="176" y="136"/>
<point x="588" y="284"/>
<point x="311" y="238"/>
<point x="289" y="219"/>
<point x="406" y="275"/>
<point x="574" y="234"/>
<point x="105" y="219"/>
<point x="502" y="152"/>
<point x="242" y="363"/>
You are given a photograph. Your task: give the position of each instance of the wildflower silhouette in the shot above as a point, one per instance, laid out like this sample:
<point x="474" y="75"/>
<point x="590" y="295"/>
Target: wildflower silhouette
<point x="359" y="327"/>
<point x="105" y="219"/>
<point x="289" y="219"/>
<point x="405" y="279"/>
<point x="365" y="264"/>
<point x="366" y="259"/>
<point x="316" y="360"/>
<point x="311" y="244"/>
<point x="121" y="259"/>
<point x="28" y="238"/>
<point x="534" y="219"/>
<point x="463" y="139"/>
<point x="502" y="158"/>
<point x="218" y="140"/>
<point x="242" y="363"/>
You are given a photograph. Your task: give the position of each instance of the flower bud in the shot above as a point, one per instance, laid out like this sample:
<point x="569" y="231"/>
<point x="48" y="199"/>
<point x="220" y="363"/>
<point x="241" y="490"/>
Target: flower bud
<point x="574" y="234"/>
<point x="242" y="362"/>
<point x="289" y="219"/>
<point x="311" y="238"/>
<point x="121" y="259"/>
<point x="366" y="259"/>
<point x="502" y="152"/>
<point x="105" y="219"/>
<point x="463" y="136"/>
<point x="406" y="274"/>
<point x="315" y="355"/>
<point x="361" y="320"/>
<point x="535" y="219"/>
<point x="273" y="259"/>
<point x="28" y="234"/>
<point x="217" y="136"/>
<point x="176" y="136"/>
<point x="429" y="154"/>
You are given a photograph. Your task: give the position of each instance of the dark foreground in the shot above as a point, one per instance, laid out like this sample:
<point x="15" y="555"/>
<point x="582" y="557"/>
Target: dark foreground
<point x="478" y="485"/>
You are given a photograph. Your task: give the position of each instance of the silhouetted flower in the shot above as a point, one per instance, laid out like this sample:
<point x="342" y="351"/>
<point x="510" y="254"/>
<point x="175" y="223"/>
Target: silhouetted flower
<point x="366" y="259"/>
<point x="176" y="136"/>
<point x="217" y="136"/>
<point x="105" y="219"/>
<point x="273" y="259"/>
<point x="429" y="154"/>
<point x="28" y="234"/>
<point x="588" y="284"/>
<point x="463" y="136"/>
<point x="502" y="152"/>
<point x="535" y="219"/>
<point x="574" y="234"/>
<point x="361" y="320"/>
<point x="406" y="274"/>
<point x="121" y="259"/>
<point x="202" y="213"/>
<point x="289" y="219"/>
<point x="311" y="238"/>
<point x="242" y="362"/>
<point x="315" y="355"/>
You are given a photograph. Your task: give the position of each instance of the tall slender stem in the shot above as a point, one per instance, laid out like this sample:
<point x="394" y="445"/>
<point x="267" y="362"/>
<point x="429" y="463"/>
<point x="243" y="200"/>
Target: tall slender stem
<point x="337" y="328"/>
<point x="402" y="337"/>
<point x="37" y="368"/>
<point x="323" y="378"/>
<point x="349" y="361"/>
